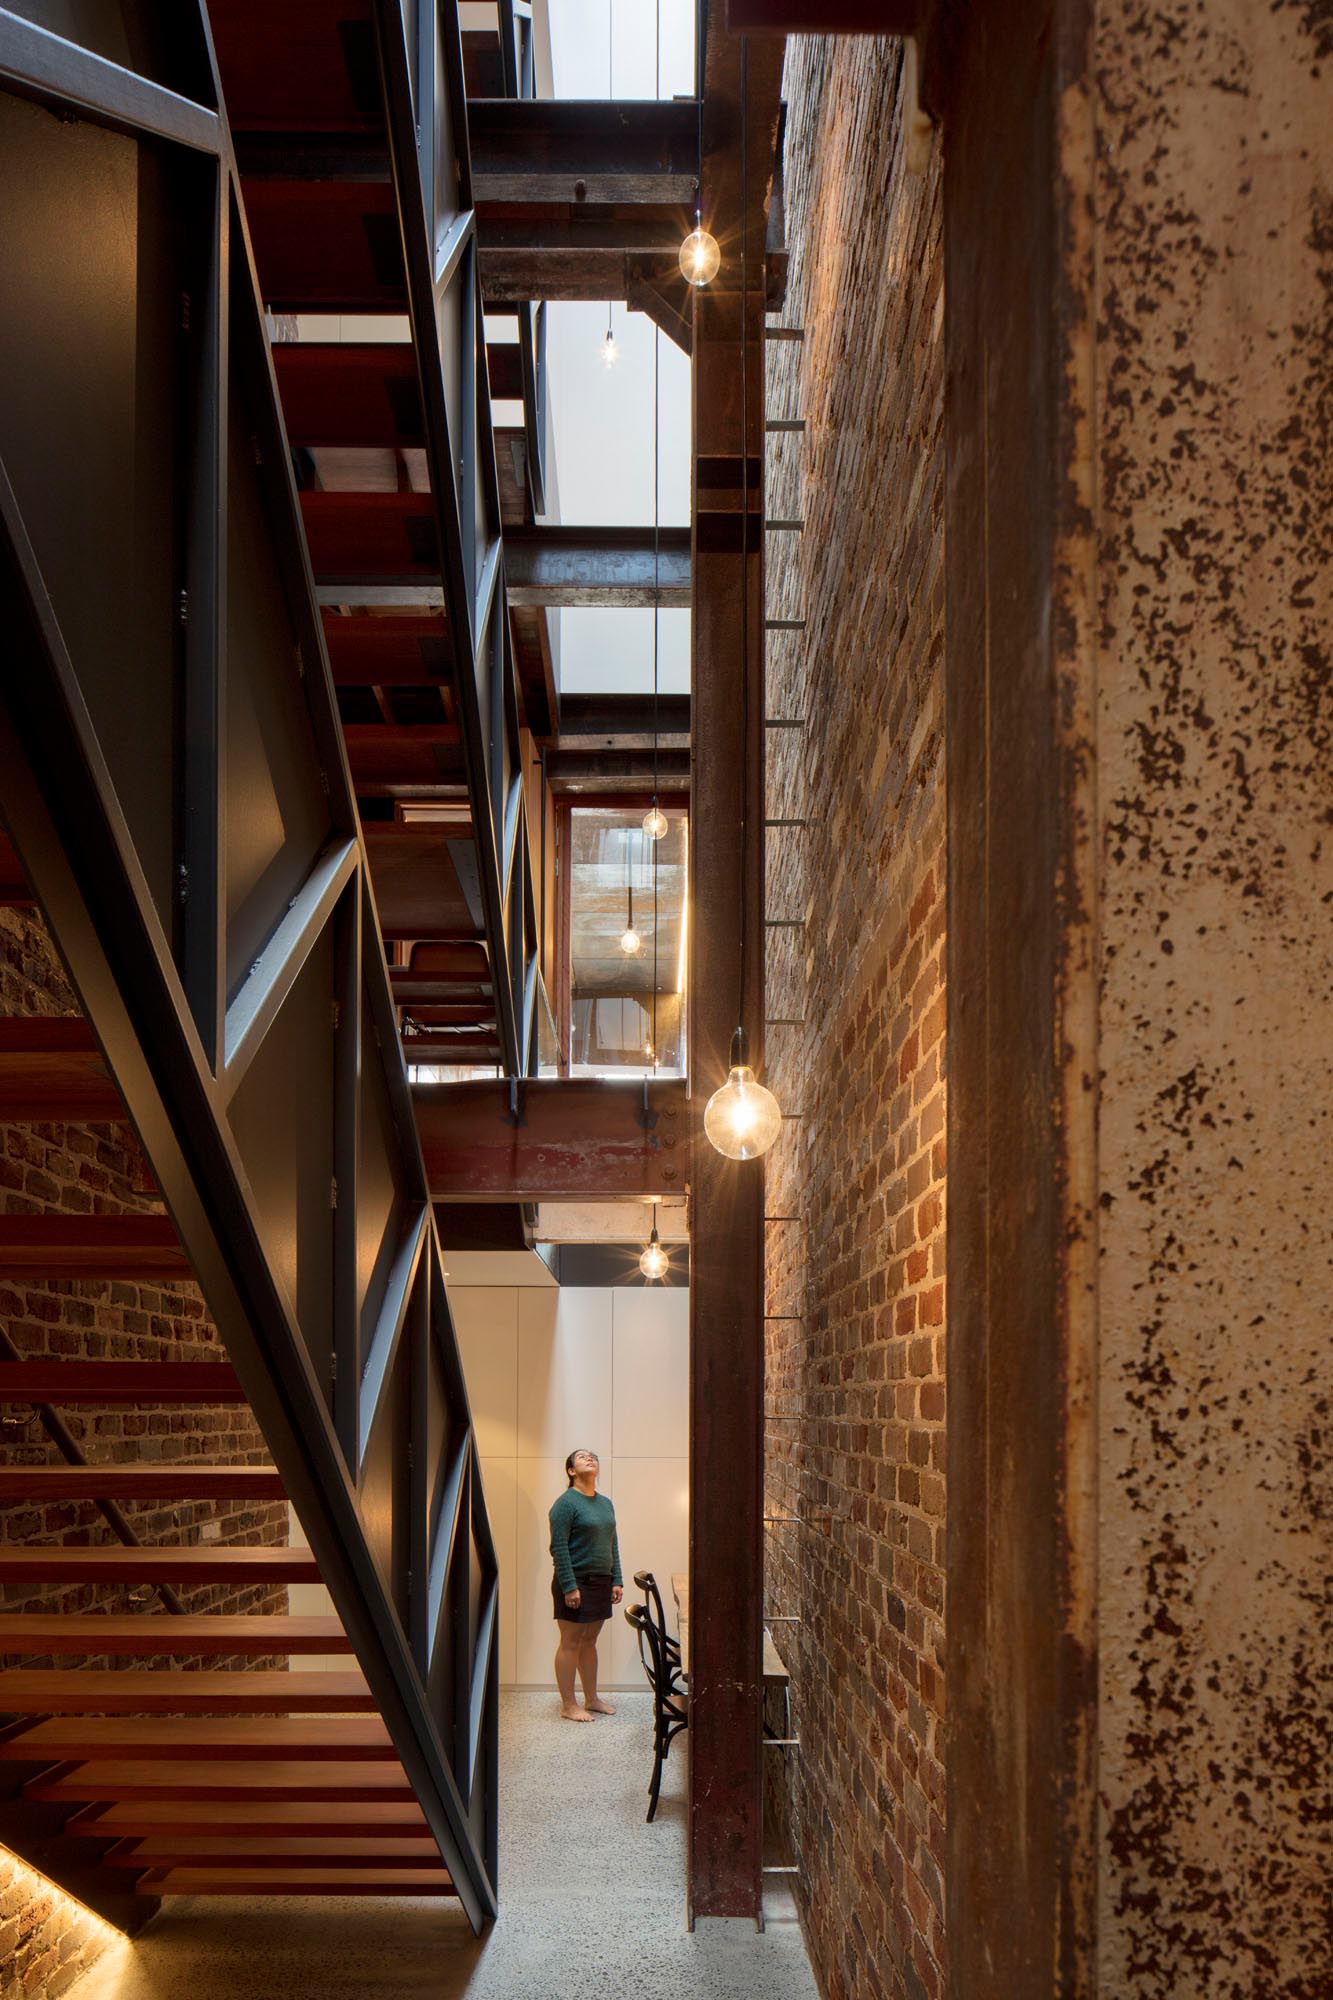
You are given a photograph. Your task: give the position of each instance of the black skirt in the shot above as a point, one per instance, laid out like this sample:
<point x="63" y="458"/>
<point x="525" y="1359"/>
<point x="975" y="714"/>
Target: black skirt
<point x="594" y="1601"/>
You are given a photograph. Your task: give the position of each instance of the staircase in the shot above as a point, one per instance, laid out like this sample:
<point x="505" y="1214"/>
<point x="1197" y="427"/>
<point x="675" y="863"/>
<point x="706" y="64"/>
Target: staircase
<point x="177" y="783"/>
<point x="357" y="200"/>
<point x="167" y="1773"/>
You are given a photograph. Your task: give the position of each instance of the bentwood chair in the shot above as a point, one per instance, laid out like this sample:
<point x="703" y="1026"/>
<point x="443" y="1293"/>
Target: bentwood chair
<point x="645" y="1581"/>
<point x="670" y="1712"/>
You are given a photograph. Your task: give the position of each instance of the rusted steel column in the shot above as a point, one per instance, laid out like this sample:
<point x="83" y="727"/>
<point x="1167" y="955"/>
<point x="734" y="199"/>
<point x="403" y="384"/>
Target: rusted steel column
<point x="726" y="902"/>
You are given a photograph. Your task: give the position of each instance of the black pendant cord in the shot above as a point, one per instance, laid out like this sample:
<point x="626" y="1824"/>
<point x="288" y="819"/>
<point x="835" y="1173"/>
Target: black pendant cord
<point x="657" y="614"/>
<point x="657" y="581"/>
<point x="745" y="551"/>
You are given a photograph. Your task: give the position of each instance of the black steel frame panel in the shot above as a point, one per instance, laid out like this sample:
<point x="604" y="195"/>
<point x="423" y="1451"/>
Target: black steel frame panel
<point x="155" y="991"/>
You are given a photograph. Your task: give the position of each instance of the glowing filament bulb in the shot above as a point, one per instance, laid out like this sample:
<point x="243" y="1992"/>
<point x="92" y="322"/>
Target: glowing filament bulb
<point x="654" y="1262"/>
<point x="655" y="823"/>
<point x="742" y="1119"/>
<point x="610" y="351"/>
<point x="700" y="257"/>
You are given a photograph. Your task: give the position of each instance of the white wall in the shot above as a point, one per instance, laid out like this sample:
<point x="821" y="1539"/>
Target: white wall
<point x="547" y="1371"/>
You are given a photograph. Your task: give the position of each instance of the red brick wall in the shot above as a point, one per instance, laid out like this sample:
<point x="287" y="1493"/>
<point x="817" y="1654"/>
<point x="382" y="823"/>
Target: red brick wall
<point x="99" y="1169"/>
<point x="855" y="1350"/>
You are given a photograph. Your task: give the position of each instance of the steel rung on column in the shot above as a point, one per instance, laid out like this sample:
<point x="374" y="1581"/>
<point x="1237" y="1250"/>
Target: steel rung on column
<point x="784" y="425"/>
<point x="775" y="527"/>
<point x="784" y="333"/>
<point x="784" y="624"/>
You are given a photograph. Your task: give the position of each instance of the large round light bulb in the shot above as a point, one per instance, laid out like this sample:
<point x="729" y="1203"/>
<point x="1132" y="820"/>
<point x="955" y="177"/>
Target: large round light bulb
<point x="630" y="942"/>
<point x="654" y="1262"/>
<point x="700" y="257"/>
<point x="742" y="1119"/>
<point x="655" y="823"/>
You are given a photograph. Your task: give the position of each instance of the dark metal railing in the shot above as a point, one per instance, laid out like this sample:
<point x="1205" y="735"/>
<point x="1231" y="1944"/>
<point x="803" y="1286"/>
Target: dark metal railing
<point x="173" y="775"/>
<point x="432" y="175"/>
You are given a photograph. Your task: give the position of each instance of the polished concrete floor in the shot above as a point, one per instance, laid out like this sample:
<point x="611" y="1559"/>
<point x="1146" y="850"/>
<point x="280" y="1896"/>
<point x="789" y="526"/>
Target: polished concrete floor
<point x="592" y="1904"/>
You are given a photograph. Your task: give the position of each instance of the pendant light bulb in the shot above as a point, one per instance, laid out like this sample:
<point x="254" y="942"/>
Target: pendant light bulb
<point x="630" y="941"/>
<point x="742" y="1119"/>
<point x="610" y="351"/>
<point x="654" y="1262"/>
<point x="655" y="823"/>
<point x="700" y="256"/>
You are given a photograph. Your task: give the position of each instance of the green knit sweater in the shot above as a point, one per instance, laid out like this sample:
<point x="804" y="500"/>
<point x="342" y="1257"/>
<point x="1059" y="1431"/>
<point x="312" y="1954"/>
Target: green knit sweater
<point x="583" y="1538"/>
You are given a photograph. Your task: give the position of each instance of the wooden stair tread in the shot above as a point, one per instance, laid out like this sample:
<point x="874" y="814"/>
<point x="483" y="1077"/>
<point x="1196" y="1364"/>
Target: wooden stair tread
<point x="156" y="1632"/>
<point x="119" y="1382"/>
<point x="90" y="1246"/>
<point x="122" y="1778"/>
<point x="101" y="1691"/>
<point x="198" y="1564"/>
<point x="368" y="536"/>
<point x="375" y="651"/>
<point x="276" y="1851"/>
<point x="140" y="1481"/>
<point x="293" y="1882"/>
<point x="249" y="1820"/>
<point x="327" y="246"/>
<point x="349" y="393"/>
<point x="51" y="1072"/>
<point x="297" y="64"/>
<point x="98" y="1738"/>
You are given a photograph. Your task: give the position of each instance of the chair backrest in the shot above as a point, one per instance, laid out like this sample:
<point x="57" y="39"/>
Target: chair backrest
<point x="647" y="1583"/>
<point x="651" y="1654"/>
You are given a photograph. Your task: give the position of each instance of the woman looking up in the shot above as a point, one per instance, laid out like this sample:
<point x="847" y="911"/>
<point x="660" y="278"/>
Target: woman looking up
<point x="587" y="1582"/>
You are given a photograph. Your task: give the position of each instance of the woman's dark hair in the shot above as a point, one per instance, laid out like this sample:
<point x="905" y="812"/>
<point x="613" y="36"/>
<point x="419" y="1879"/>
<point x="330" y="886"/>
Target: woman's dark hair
<point x="569" y="1462"/>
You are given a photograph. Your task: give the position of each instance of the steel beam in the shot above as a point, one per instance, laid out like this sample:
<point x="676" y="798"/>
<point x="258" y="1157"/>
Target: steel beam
<point x="553" y="1139"/>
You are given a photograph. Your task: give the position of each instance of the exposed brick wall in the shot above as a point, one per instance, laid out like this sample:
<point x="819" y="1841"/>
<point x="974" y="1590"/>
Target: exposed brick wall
<point x="46" y="1942"/>
<point x="99" y="1169"/>
<point x="855" y="1350"/>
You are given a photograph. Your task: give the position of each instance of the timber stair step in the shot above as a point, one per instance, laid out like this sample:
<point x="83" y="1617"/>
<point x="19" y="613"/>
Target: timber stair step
<point x="239" y="1779"/>
<point x="304" y="64"/>
<point x="276" y="1851"/>
<point x="346" y="394"/>
<point x="372" y="537"/>
<point x="151" y="1633"/>
<point x="396" y="652"/>
<point x="292" y="1881"/>
<point x="131" y="1382"/>
<point x="327" y="245"/>
<point x="339" y="1739"/>
<point x="266" y="1819"/>
<point x="140" y="1691"/>
<point x="91" y="1246"/>
<point x="51" y="1072"/>
<point x="147" y="1481"/>
<point x="196" y="1563"/>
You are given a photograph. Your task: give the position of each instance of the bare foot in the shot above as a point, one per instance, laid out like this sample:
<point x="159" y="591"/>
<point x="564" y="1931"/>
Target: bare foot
<point x="575" y="1715"/>
<point x="600" y="1707"/>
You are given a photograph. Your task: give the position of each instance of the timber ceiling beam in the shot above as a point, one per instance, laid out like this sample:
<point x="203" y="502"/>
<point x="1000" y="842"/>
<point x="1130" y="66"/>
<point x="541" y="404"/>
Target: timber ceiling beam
<point x="824" y="17"/>
<point x="553" y="1139"/>
<point x="584" y="151"/>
